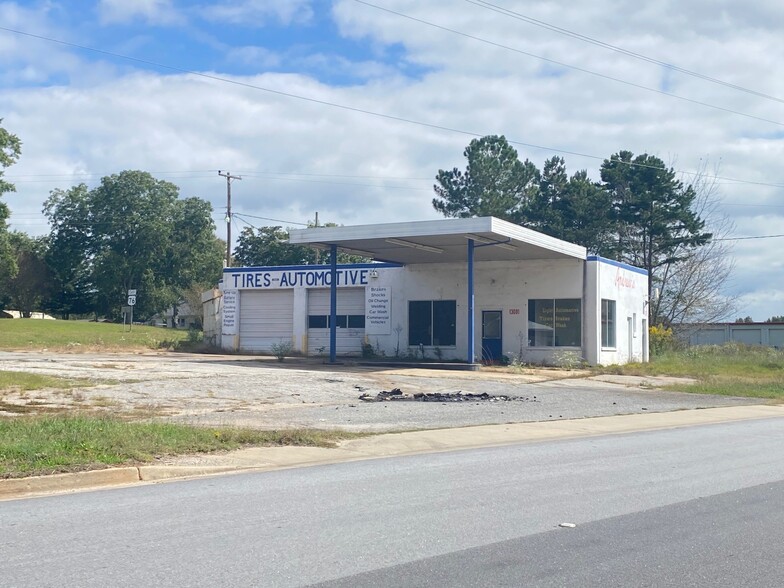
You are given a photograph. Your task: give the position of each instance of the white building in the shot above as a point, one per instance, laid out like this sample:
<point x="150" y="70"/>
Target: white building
<point x="456" y="289"/>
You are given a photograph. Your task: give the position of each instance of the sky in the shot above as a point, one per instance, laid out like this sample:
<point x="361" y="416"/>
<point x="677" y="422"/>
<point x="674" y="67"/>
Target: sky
<point x="348" y="108"/>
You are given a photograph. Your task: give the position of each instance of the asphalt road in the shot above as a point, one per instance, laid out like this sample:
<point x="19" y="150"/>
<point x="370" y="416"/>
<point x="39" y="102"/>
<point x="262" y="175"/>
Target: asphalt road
<point x="699" y="506"/>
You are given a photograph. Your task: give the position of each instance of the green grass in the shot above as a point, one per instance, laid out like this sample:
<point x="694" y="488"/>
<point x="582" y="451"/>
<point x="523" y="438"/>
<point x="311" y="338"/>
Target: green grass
<point x="26" y="381"/>
<point x="51" y="444"/>
<point x="731" y="370"/>
<point x="35" y="334"/>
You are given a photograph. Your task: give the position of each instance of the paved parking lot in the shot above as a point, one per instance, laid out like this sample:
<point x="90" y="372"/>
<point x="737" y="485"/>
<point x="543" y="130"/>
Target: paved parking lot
<point x="262" y="393"/>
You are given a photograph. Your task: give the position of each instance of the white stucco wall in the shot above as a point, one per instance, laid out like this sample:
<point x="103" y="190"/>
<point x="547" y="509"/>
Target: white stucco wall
<point x="628" y="287"/>
<point x="499" y="286"/>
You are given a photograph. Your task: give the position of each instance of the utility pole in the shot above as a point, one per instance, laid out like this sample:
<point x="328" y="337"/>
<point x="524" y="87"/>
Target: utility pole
<point x="317" y="251"/>
<point x="229" y="178"/>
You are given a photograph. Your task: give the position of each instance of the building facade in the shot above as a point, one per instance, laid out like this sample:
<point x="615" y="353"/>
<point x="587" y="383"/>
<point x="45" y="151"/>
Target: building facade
<point x="535" y="303"/>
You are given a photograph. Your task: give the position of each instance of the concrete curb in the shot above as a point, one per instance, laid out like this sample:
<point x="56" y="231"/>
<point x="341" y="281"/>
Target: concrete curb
<point x="386" y="445"/>
<point x="18" y="487"/>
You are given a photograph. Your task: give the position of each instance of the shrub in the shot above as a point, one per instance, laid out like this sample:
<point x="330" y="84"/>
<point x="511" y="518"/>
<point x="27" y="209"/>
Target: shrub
<point x="661" y="339"/>
<point x="282" y="349"/>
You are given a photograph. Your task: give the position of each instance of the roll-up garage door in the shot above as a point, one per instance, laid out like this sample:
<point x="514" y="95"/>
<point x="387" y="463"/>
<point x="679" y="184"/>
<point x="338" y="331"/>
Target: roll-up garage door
<point x="266" y="317"/>
<point x="350" y="321"/>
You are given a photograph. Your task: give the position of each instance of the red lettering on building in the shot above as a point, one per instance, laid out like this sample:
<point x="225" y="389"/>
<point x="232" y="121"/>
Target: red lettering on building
<point x="622" y="281"/>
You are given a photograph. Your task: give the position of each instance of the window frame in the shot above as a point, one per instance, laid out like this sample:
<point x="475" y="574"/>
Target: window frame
<point x="550" y="336"/>
<point x="437" y="325"/>
<point x="609" y="322"/>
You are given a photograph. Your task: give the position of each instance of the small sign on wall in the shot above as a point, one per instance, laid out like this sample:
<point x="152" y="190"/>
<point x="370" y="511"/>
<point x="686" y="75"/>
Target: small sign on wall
<point x="230" y="298"/>
<point x="377" y="317"/>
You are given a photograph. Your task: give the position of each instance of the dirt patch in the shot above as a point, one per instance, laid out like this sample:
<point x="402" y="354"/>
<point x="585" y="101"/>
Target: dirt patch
<point x="259" y="392"/>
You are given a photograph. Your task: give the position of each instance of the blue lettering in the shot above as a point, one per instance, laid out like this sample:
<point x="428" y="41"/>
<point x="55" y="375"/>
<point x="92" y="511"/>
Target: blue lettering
<point x="257" y="280"/>
<point x="266" y="280"/>
<point x="363" y="276"/>
<point x="310" y="278"/>
<point x="353" y="276"/>
<point x="284" y="281"/>
<point x="236" y="278"/>
<point x="247" y="281"/>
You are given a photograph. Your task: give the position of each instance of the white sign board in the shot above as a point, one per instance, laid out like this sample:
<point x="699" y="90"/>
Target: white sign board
<point x="131" y="292"/>
<point x="296" y="278"/>
<point x="131" y="300"/>
<point x="377" y="318"/>
<point x="230" y="299"/>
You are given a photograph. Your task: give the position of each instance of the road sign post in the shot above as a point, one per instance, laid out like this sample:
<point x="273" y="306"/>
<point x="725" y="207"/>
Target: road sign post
<point x="131" y="304"/>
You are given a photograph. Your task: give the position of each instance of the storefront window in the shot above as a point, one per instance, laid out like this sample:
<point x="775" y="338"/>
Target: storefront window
<point x="352" y="321"/>
<point x="554" y="323"/>
<point x="608" y="323"/>
<point x="432" y="322"/>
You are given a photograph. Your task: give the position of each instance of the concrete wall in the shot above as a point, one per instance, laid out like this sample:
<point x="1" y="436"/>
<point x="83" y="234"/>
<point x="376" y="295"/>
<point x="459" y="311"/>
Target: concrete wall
<point x="500" y="286"/>
<point x="768" y="334"/>
<point x="628" y="287"/>
<point x="211" y="321"/>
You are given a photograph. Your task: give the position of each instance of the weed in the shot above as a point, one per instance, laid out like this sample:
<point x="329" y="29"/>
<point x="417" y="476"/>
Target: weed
<point x="281" y="349"/>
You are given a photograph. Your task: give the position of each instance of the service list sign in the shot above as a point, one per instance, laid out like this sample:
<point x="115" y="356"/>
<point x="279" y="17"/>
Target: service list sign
<point x="229" y="312"/>
<point x="377" y="319"/>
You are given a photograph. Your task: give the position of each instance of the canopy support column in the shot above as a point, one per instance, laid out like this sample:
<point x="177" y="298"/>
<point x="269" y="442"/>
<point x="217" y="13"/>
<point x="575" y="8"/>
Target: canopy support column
<point x="333" y="303"/>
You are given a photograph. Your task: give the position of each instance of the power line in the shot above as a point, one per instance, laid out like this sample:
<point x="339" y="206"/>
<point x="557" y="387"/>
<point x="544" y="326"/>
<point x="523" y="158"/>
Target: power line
<point x="566" y="65"/>
<point x="276" y="220"/>
<point x="628" y="53"/>
<point x="748" y="238"/>
<point x="378" y="114"/>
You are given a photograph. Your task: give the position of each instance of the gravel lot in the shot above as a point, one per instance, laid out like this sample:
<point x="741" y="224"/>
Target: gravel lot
<point x="262" y="393"/>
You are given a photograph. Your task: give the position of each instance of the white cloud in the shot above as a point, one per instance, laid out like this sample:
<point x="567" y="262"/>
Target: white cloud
<point x="108" y="122"/>
<point x="257" y="12"/>
<point x="155" y="12"/>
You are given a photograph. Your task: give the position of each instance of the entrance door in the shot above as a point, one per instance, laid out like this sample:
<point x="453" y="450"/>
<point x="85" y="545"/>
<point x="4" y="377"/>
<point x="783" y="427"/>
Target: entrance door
<point x="491" y="335"/>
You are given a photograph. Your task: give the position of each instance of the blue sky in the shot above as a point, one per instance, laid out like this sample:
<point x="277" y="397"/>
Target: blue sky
<point x="82" y="114"/>
<point x="233" y="38"/>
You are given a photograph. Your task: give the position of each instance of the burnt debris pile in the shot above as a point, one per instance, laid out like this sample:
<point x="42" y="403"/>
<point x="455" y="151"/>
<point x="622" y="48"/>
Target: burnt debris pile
<point x="396" y="394"/>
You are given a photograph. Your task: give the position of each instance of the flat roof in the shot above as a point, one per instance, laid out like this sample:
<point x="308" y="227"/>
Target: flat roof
<point x="440" y="241"/>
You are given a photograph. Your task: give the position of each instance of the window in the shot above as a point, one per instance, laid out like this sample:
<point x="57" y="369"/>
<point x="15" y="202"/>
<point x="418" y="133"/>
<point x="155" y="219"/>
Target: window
<point x="432" y="322"/>
<point x="608" y="323"/>
<point x="342" y="321"/>
<point x="554" y="323"/>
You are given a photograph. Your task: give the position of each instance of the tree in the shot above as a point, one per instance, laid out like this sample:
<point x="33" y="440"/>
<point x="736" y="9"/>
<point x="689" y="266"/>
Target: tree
<point x="495" y="183"/>
<point x="775" y="319"/>
<point x="10" y="150"/>
<point x="132" y="232"/>
<point x="72" y="291"/>
<point x="269" y="246"/>
<point x="656" y="225"/>
<point x="27" y="290"/>
<point x="692" y="290"/>
<point x="574" y="209"/>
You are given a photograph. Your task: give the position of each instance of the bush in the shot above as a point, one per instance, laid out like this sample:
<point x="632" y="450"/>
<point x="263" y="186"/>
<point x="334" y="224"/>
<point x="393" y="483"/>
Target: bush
<point x="661" y="340"/>
<point x="282" y="349"/>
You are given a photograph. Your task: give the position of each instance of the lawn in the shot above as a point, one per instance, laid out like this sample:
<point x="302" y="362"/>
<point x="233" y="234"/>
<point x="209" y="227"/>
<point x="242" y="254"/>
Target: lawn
<point x="33" y="334"/>
<point x="730" y="370"/>
<point x="37" y="445"/>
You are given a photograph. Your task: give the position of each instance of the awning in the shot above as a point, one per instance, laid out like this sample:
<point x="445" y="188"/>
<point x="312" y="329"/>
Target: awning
<point x="439" y="241"/>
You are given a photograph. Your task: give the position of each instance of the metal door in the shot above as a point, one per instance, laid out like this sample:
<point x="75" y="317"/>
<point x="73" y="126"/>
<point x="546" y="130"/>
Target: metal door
<point x="491" y="336"/>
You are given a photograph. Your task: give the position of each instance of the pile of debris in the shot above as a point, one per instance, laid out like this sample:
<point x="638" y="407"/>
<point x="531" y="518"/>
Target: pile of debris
<point x="396" y="394"/>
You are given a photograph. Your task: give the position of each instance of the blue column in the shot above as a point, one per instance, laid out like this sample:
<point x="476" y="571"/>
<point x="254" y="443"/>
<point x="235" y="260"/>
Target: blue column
<point x="333" y="304"/>
<point x="470" y="322"/>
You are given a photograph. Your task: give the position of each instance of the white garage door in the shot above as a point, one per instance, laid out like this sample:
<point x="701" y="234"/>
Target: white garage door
<point x="266" y="317"/>
<point x="350" y="321"/>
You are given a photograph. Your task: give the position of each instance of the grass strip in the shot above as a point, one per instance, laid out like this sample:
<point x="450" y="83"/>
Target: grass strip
<point x="85" y="336"/>
<point x="37" y="445"/>
<point x="25" y="381"/>
<point x="729" y="370"/>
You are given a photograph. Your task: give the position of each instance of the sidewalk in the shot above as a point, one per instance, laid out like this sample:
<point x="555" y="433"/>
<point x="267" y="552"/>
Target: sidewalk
<point x="379" y="446"/>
